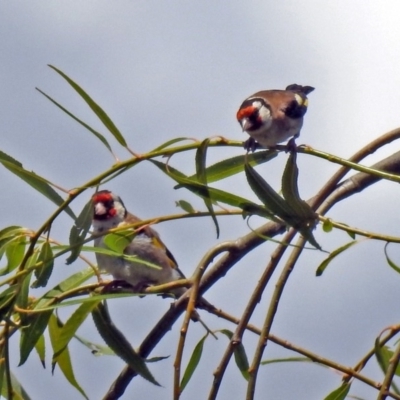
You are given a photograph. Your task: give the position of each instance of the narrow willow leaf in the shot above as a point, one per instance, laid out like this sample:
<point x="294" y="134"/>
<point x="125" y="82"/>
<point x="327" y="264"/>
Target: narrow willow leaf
<point x="172" y="141"/>
<point x="290" y="190"/>
<point x="97" y="134"/>
<point x="167" y="169"/>
<point x="43" y="273"/>
<point x="4" y="244"/>
<point x="118" y="241"/>
<point x="235" y="165"/>
<point x="34" y="180"/>
<point x="104" y="118"/>
<point x="389" y="261"/>
<point x="201" y="158"/>
<point x="186" y="206"/>
<point x="7" y="236"/>
<point x="22" y="300"/>
<point x="12" y="231"/>
<point x="268" y="196"/>
<point x="288" y="359"/>
<point x="241" y="360"/>
<point x="15" y="252"/>
<point x="321" y="268"/>
<point x="119" y="344"/>
<point x="351" y="234"/>
<point x="31" y="334"/>
<point x="340" y="393"/>
<point x="156" y="359"/>
<point x="193" y="363"/>
<point x="215" y="194"/>
<point x="91" y="299"/>
<point x="64" y="359"/>
<point x="282" y="208"/>
<point x="384" y="356"/>
<point x="40" y="348"/>
<point x="7" y="298"/>
<point x="67" y="332"/>
<point x="240" y="355"/>
<point x="79" y="231"/>
<point x="95" y="348"/>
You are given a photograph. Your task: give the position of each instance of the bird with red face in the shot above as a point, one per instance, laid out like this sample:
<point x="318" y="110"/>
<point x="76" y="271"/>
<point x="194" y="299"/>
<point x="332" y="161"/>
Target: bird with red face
<point x="109" y="212"/>
<point x="273" y="116"/>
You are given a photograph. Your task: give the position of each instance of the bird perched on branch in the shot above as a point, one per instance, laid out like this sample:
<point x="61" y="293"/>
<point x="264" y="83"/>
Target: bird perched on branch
<point x="109" y="212"/>
<point x="273" y="116"/>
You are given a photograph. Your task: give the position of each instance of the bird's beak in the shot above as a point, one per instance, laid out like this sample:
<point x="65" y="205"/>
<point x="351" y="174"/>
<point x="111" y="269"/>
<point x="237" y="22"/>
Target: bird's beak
<point x="99" y="209"/>
<point x="245" y="124"/>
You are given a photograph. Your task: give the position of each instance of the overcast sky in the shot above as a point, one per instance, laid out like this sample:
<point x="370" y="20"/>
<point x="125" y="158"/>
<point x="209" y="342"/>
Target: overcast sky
<point x="165" y="69"/>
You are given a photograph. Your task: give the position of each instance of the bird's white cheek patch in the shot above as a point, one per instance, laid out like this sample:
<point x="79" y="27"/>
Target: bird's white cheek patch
<point x="265" y="116"/>
<point x="300" y="100"/>
<point x="99" y="209"/>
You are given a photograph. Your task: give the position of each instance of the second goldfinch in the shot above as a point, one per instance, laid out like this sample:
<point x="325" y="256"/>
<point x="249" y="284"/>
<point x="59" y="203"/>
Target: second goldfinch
<point x="109" y="212"/>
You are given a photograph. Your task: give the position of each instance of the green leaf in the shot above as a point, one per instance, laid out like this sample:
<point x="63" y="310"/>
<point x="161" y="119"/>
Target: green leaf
<point x="269" y="197"/>
<point x="389" y="261"/>
<point x="92" y="299"/>
<point x="172" y="141"/>
<point x="104" y="118"/>
<point x="64" y="360"/>
<point x="384" y="356"/>
<point x="201" y="157"/>
<point x="118" y="241"/>
<point x="67" y="332"/>
<point x="321" y="268"/>
<point x="43" y="273"/>
<point x="193" y="363"/>
<point x="288" y="359"/>
<point x="31" y="334"/>
<point x="15" y="252"/>
<point x="7" y="236"/>
<point x="340" y="393"/>
<point x="290" y="190"/>
<point x="186" y="206"/>
<point x="235" y="165"/>
<point x="12" y="231"/>
<point x="37" y="182"/>
<point x="40" y="348"/>
<point x="95" y="348"/>
<point x="22" y="300"/>
<point x="7" y="298"/>
<point x="97" y="134"/>
<point x="282" y="208"/>
<point x="79" y="231"/>
<point x="215" y="194"/>
<point x="240" y="355"/>
<point x="119" y="344"/>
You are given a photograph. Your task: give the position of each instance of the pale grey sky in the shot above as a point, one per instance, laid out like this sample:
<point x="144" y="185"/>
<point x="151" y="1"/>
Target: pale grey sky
<point x="168" y="69"/>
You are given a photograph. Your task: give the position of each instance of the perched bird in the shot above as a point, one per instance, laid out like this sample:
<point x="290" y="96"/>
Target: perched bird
<point x="273" y="116"/>
<point x="109" y="212"/>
